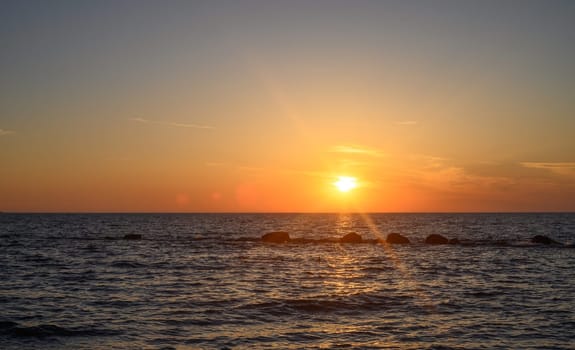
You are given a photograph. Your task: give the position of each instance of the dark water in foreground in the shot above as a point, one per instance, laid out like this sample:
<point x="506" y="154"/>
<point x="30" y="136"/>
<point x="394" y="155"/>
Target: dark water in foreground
<point x="68" y="282"/>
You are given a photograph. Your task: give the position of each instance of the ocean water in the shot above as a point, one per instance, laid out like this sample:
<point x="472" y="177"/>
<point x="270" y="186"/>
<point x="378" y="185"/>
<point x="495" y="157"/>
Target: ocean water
<point x="205" y="281"/>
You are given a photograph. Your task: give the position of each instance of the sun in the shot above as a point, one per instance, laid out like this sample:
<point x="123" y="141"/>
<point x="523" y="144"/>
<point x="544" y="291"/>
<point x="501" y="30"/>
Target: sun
<point x="345" y="183"/>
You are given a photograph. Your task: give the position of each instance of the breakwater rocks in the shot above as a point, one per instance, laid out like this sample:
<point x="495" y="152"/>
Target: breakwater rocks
<point x="276" y="237"/>
<point x="540" y="239"/>
<point x="436" y="239"/>
<point x="351" y="237"/>
<point x="396" y="238"/>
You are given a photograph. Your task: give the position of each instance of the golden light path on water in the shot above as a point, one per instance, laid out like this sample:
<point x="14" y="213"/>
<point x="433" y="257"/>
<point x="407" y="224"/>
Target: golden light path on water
<point x="343" y="184"/>
<point x="408" y="282"/>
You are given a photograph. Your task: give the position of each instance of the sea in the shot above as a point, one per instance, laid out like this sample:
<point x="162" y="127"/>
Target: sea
<point x="207" y="281"/>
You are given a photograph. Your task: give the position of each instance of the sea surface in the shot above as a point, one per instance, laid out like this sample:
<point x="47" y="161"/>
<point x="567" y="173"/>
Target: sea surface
<point x="206" y="281"/>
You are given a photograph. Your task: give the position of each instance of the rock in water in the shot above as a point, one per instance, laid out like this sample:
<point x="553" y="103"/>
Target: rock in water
<point x="436" y="239"/>
<point x="542" y="240"/>
<point x="396" y="238"/>
<point x="351" y="237"/>
<point x="276" y="237"/>
<point x="133" y="236"/>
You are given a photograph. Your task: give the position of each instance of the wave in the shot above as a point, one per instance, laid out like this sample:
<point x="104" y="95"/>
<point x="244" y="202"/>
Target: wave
<point x="127" y="264"/>
<point x="48" y="330"/>
<point x="341" y="304"/>
<point x="518" y="243"/>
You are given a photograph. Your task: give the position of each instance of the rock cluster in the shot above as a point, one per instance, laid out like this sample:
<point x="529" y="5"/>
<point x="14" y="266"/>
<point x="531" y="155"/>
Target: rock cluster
<point x="353" y="237"/>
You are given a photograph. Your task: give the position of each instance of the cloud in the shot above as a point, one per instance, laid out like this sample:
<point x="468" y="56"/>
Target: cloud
<point x="6" y="132"/>
<point x="171" y="124"/>
<point x="561" y="168"/>
<point x="406" y="122"/>
<point x="358" y="150"/>
<point x="429" y="161"/>
<point x="447" y="175"/>
<point x="549" y="165"/>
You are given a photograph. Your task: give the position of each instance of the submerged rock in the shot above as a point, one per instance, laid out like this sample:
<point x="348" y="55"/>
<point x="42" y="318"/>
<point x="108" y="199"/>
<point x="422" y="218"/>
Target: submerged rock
<point x="454" y="241"/>
<point x="351" y="237"/>
<point x="540" y="239"/>
<point x="133" y="236"/>
<point x="276" y="237"/>
<point x="396" y="238"/>
<point x="436" y="239"/>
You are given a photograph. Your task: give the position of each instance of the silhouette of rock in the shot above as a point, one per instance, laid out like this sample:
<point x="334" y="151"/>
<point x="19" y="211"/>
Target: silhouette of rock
<point x="540" y="239"/>
<point x="396" y="238"/>
<point x="454" y="241"/>
<point x="276" y="237"/>
<point x="434" y="238"/>
<point x="133" y="236"/>
<point x="351" y="237"/>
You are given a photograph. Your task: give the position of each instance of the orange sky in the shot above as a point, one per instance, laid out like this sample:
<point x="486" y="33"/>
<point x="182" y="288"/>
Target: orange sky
<point x="204" y="107"/>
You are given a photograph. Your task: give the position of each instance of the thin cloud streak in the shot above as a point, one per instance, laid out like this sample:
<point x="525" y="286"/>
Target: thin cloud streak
<point x="357" y="150"/>
<point x="406" y="122"/>
<point x="171" y="124"/>
<point x="6" y="132"/>
<point x="561" y="168"/>
<point x="549" y="165"/>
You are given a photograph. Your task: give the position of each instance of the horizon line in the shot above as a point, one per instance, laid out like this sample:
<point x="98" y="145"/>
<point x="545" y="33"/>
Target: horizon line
<point x="288" y="212"/>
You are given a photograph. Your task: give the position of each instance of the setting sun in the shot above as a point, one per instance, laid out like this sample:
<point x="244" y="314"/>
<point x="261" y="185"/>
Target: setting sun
<point x="345" y="183"/>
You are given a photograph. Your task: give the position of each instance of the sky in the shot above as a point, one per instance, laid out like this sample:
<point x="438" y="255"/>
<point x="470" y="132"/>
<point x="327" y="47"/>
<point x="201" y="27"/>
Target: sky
<point x="259" y="106"/>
